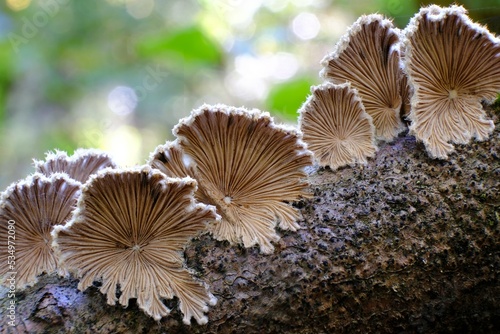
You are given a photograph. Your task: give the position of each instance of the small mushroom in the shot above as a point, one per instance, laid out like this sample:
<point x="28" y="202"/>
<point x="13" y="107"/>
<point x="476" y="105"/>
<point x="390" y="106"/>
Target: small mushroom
<point x="452" y="64"/>
<point x="248" y="167"/>
<point x="29" y="209"/>
<point x="173" y="162"/>
<point x="82" y="164"/>
<point x="129" y="231"/>
<point x="336" y="127"/>
<point x="368" y="57"/>
<point x="170" y="160"/>
<point x="406" y="92"/>
<point x="405" y="97"/>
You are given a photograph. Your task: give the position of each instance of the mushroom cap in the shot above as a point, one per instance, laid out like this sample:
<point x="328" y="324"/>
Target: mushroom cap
<point x="405" y="97"/>
<point x="404" y="85"/>
<point x="129" y="230"/>
<point x="336" y="127"/>
<point x="170" y="159"/>
<point x="82" y="164"/>
<point x="248" y="167"/>
<point x="452" y="64"/>
<point x="368" y="57"/>
<point x="29" y="209"/>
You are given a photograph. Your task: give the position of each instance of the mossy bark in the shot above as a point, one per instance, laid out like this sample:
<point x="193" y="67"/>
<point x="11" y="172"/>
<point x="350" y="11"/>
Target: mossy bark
<point x="404" y="244"/>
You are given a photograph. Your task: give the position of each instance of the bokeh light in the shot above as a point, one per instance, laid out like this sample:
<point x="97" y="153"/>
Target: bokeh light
<point x="124" y="145"/>
<point x="18" y="4"/>
<point x="306" y="26"/>
<point x="140" y="9"/>
<point x="119" y="74"/>
<point x="122" y="100"/>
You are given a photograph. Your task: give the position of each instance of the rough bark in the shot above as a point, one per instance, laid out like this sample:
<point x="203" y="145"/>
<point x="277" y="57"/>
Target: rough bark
<point x="404" y="244"/>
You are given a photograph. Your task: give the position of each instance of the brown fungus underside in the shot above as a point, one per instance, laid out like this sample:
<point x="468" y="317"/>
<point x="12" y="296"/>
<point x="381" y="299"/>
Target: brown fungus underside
<point x="368" y="57"/>
<point x="32" y="207"/>
<point x="79" y="166"/>
<point x="336" y="127"/>
<point x="171" y="160"/>
<point x="452" y="64"/>
<point x="129" y="231"/>
<point x="408" y="244"/>
<point x="247" y="167"/>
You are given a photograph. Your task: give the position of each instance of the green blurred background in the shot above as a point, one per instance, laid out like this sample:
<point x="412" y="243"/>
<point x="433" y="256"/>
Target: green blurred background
<point x="118" y="74"/>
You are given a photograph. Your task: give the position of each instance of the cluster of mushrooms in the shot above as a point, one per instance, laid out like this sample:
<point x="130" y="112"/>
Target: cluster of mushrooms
<point x="233" y="172"/>
<point x="433" y="75"/>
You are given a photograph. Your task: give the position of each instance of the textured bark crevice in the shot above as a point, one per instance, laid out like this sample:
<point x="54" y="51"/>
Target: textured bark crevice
<point x="404" y="244"/>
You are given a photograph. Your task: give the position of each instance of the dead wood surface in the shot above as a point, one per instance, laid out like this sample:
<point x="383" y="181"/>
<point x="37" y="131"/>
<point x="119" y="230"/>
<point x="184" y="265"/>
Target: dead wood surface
<point x="406" y="244"/>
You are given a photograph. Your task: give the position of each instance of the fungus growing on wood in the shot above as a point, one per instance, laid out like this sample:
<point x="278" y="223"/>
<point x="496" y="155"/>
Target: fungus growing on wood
<point x="170" y="160"/>
<point x="452" y="64"/>
<point x="336" y="127"/>
<point x="82" y="164"/>
<point x="248" y="167"/>
<point x="29" y="209"/>
<point x="405" y="97"/>
<point x="405" y="88"/>
<point x="129" y="230"/>
<point x="368" y="57"/>
<point x="173" y="162"/>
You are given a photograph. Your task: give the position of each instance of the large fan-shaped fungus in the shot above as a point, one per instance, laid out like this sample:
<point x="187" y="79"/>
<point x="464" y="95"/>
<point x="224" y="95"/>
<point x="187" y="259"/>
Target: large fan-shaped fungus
<point x="29" y="209"/>
<point x="368" y="57"/>
<point x="248" y="167"/>
<point x="452" y="64"/>
<point x="128" y="230"/>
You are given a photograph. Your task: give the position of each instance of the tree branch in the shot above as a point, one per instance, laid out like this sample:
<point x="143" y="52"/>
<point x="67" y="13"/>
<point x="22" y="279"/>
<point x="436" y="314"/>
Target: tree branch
<point x="404" y="244"/>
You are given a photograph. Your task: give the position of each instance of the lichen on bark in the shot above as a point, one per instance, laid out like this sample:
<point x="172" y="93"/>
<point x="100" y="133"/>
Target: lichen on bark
<point x="404" y="244"/>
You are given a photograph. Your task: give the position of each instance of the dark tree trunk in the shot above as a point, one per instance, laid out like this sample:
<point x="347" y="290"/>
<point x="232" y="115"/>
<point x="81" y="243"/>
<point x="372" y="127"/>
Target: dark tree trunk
<point x="404" y="244"/>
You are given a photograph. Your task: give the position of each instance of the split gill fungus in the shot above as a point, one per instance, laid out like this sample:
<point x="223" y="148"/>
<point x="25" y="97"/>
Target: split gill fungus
<point x="233" y="172"/>
<point x="246" y="166"/>
<point x="128" y="231"/>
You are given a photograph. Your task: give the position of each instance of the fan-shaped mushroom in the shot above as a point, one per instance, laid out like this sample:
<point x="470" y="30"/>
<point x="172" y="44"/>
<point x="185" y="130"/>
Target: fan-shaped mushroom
<point x="368" y="57"/>
<point x="29" y="209"/>
<point x="452" y="64"/>
<point x="82" y="164"/>
<point x="129" y="230"/>
<point x="248" y="167"/>
<point x="336" y="127"/>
